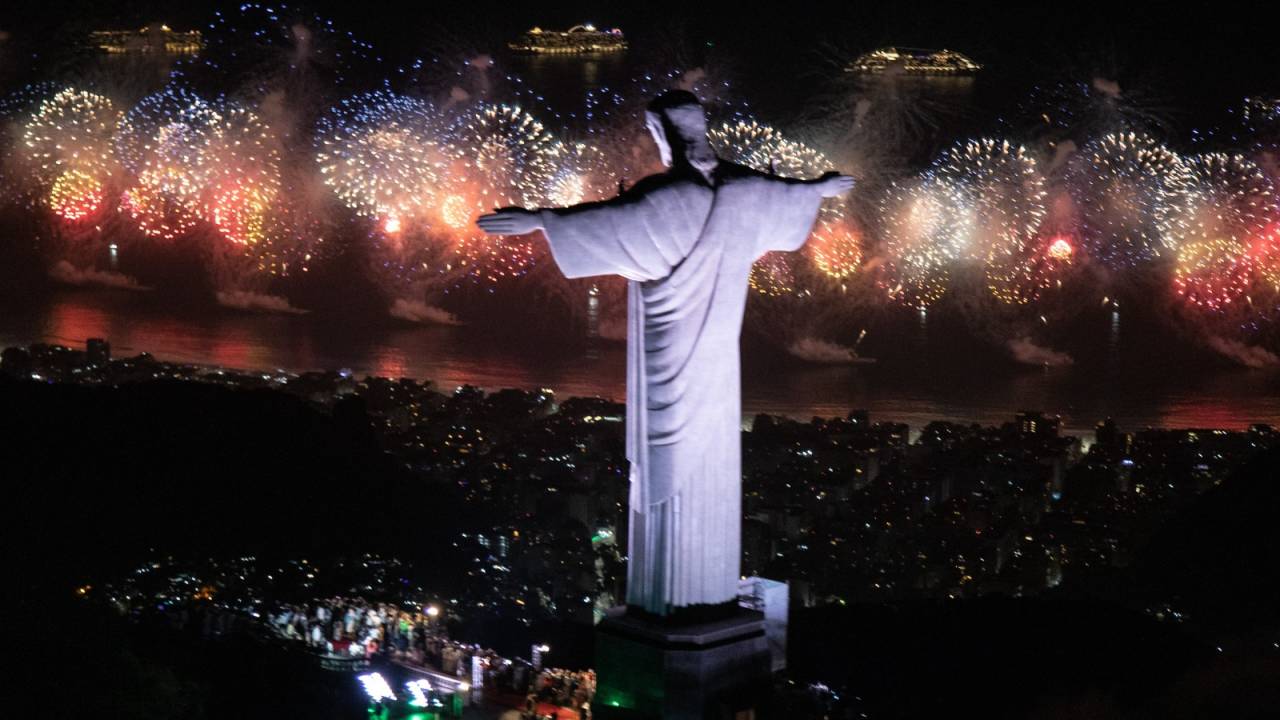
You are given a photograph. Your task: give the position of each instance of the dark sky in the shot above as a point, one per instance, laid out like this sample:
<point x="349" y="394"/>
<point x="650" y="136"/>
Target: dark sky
<point x="1221" y="38"/>
<point x="1191" y="62"/>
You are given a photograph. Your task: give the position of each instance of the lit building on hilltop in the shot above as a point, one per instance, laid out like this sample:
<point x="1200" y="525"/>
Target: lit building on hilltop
<point x="154" y="38"/>
<point x="577" y="40"/>
<point x="914" y="61"/>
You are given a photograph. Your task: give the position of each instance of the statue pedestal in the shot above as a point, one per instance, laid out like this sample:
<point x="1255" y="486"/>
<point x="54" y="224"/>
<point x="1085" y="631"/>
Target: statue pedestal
<point x="651" y="669"/>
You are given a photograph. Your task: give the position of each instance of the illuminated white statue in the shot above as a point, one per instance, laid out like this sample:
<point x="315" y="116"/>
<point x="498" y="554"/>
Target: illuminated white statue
<point x="686" y="240"/>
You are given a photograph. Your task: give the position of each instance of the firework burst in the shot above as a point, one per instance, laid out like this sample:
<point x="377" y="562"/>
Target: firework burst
<point x="1127" y="186"/>
<point x="1007" y="193"/>
<point x="243" y="176"/>
<point x="76" y="195"/>
<point x="583" y="173"/>
<point x="1229" y="206"/>
<point x="164" y="141"/>
<point x="66" y="143"/>
<point x="834" y="246"/>
<point x="926" y="227"/>
<point x="383" y="156"/>
<point x="504" y="157"/>
<point x="772" y="276"/>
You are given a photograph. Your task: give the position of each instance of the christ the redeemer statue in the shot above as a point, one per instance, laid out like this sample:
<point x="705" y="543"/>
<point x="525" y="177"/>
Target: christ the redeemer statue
<point x="686" y="240"/>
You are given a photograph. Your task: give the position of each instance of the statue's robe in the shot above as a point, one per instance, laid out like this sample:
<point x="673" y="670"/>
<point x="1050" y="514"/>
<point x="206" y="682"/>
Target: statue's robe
<point x="686" y="247"/>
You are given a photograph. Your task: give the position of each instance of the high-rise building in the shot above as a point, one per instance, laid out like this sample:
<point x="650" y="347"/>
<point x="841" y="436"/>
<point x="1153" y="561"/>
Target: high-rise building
<point x="98" y="351"/>
<point x="1036" y="423"/>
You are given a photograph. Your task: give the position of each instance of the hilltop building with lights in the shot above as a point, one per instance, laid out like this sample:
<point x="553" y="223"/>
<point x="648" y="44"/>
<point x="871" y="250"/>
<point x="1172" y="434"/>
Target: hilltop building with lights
<point x="914" y="61"/>
<point x="577" y="40"/>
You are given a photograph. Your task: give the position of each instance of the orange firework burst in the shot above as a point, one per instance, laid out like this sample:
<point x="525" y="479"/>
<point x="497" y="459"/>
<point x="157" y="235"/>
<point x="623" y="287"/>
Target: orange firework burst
<point x="162" y="202"/>
<point x="76" y="195"/>
<point x="1265" y="254"/>
<point x="836" y="249"/>
<point x="1036" y="269"/>
<point x="456" y="211"/>
<point x="239" y="209"/>
<point x="67" y="142"/>
<point x="1061" y="249"/>
<point x="1212" y="273"/>
<point x="1231" y="204"/>
<point x="242" y="173"/>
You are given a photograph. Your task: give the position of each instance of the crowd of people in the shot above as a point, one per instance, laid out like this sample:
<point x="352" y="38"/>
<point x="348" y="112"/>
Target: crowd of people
<point x="354" y="627"/>
<point x="349" y="627"/>
<point x="571" y="689"/>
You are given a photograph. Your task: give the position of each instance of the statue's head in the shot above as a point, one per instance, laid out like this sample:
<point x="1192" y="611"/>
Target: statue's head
<point x="678" y="124"/>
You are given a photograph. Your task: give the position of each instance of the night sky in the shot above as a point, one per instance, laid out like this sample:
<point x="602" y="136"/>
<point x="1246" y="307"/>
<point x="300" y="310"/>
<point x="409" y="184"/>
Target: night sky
<point x="1211" y="47"/>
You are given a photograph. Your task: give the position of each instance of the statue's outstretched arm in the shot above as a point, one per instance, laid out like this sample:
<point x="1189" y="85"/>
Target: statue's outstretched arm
<point x="598" y="238"/>
<point x="831" y="184"/>
<point x="510" y="221"/>
<point x="520" y="221"/>
<point x="791" y="209"/>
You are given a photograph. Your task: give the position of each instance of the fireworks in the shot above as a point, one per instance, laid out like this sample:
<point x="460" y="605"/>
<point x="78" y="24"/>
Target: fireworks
<point x="75" y="195"/>
<point x="1265" y="255"/>
<point x="772" y="276"/>
<point x="408" y="176"/>
<point x="1061" y="249"/>
<point x="1212" y="273"/>
<point x="582" y="173"/>
<point x="294" y="229"/>
<point x="833" y="246"/>
<point x="763" y="148"/>
<point x="173" y="123"/>
<point x="163" y="202"/>
<point x="383" y="156"/>
<point x="1230" y="205"/>
<point x="1038" y="269"/>
<point x="71" y="130"/>
<point x="455" y="211"/>
<point x="164" y="141"/>
<point x="505" y="157"/>
<point x="1007" y="193"/>
<point x="67" y="144"/>
<point x="926" y="227"/>
<point x="508" y="155"/>
<point x="836" y="249"/>
<point x="242" y="177"/>
<point x="1127" y="186"/>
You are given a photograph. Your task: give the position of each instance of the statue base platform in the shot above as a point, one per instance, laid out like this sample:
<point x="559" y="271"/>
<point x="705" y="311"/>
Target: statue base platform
<point x="649" y="667"/>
